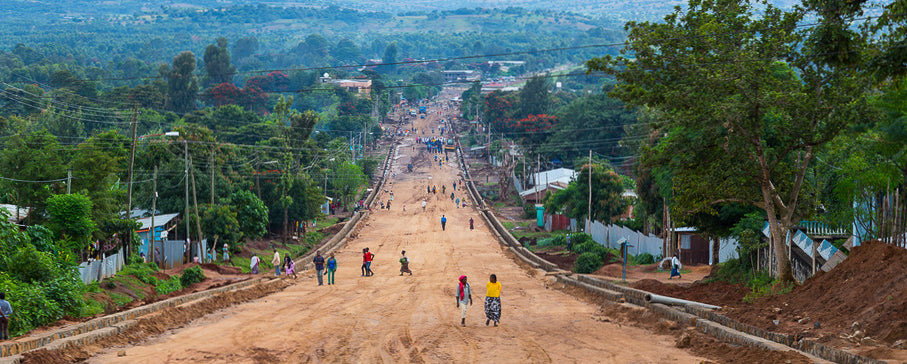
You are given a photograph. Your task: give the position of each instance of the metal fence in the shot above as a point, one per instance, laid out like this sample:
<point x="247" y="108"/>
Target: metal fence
<point x="97" y="270"/>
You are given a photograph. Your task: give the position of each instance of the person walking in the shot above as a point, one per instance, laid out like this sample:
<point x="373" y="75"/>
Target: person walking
<point x="276" y="262"/>
<point x="464" y="298"/>
<point x="458" y="202"/>
<point x="253" y="263"/>
<point x="332" y="268"/>
<point x="493" y="301"/>
<point x="443" y="222"/>
<point x="676" y="267"/>
<point x="289" y="266"/>
<point x="423" y="205"/>
<point x="6" y="310"/>
<point x="367" y="258"/>
<point x="404" y="264"/>
<point x="319" y="267"/>
<point x="227" y="253"/>
<point x="471" y="221"/>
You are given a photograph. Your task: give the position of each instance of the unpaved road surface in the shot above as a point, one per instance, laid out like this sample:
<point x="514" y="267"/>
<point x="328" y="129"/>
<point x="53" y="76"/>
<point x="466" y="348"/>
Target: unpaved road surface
<point x="410" y="319"/>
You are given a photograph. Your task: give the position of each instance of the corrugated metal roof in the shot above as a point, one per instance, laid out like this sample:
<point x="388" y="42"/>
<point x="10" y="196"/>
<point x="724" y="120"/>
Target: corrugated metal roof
<point x="159" y="220"/>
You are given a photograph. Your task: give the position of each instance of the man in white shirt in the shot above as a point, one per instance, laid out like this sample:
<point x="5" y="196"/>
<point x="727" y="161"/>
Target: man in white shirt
<point x="276" y="262"/>
<point x="676" y="267"/>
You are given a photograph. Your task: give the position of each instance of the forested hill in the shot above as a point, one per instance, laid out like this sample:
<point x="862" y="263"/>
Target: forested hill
<point x="615" y="10"/>
<point x="106" y="41"/>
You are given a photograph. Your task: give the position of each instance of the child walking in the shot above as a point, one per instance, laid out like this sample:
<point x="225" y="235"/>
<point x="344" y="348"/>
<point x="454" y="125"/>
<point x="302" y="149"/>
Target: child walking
<point x="404" y="264"/>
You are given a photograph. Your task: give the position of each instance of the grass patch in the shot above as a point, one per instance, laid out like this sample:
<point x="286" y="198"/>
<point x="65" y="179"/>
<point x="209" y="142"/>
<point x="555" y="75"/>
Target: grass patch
<point x="119" y="299"/>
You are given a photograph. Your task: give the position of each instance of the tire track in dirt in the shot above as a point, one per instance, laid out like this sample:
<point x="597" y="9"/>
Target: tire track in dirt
<point x="388" y="318"/>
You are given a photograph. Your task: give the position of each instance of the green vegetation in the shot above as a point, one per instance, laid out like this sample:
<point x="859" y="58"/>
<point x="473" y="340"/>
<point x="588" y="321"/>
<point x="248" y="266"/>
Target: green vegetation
<point x="191" y="276"/>
<point x="587" y="263"/>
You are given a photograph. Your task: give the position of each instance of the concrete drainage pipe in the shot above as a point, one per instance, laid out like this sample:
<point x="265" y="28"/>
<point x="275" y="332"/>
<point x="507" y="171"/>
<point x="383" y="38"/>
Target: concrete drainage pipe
<point x="654" y="298"/>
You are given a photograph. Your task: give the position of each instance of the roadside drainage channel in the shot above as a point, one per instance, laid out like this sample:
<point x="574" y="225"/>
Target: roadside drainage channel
<point x="91" y="337"/>
<point x="706" y="321"/>
<point x="95" y="329"/>
<point x="108" y="323"/>
<point x="305" y="262"/>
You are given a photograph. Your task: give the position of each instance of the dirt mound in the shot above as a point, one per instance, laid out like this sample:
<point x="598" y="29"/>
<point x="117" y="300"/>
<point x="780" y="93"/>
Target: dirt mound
<point x="869" y="288"/>
<point x="612" y="270"/>
<point x="333" y="229"/>
<point x="715" y="293"/>
<point x="527" y="241"/>
<point x="221" y="269"/>
<point x="563" y="261"/>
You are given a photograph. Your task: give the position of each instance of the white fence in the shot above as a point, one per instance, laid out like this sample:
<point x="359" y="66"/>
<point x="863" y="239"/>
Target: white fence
<point x="97" y="270"/>
<point x="608" y="235"/>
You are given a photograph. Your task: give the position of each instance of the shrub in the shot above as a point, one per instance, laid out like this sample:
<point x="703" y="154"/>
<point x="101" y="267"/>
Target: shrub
<point x="529" y="211"/>
<point x="191" y="275"/>
<point x="30" y="265"/>
<point x="644" y="258"/>
<point x="141" y="271"/>
<point x="170" y="285"/>
<point x="587" y="263"/>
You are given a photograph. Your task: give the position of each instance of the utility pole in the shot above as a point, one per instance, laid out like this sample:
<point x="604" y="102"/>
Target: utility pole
<point x="186" y="179"/>
<point x="198" y="223"/>
<point x="153" y="212"/>
<point x="538" y="171"/>
<point x="258" y="178"/>
<point x="135" y="116"/>
<point x="212" y="174"/>
<point x="68" y="180"/>
<point x="589" y="212"/>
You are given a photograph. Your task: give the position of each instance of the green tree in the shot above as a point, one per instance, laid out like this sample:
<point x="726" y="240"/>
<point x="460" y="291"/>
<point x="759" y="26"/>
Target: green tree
<point x="591" y="122"/>
<point x="251" y="214"/>
<point x="607" y="201"/>
<point x="245" y="47"/>
<point x="97" y="165"/>
<point x="70" y="220"/>
<point x="37" y="157"/>
<point x="534" y="97"/>
<point x="220" y="222"/>
<point x="348" y="180"/>
<point x="742" y="127"/>
<point x="217" y="63"/>
<point x="390" y="56"/>
<point x="182" y="86"/>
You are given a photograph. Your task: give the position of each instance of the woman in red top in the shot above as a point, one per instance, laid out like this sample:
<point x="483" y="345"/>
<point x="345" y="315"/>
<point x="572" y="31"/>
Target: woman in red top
<point x="367" y="263"/>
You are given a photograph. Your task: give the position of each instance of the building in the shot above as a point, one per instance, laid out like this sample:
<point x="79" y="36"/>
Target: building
<point x="162" y="223"/>
<point x="361" y="87"/>
<point x="461" y="75"/>
<point x="696" y="249"/>
<point x="16" y="214"/>
<point x="537" y="194"/>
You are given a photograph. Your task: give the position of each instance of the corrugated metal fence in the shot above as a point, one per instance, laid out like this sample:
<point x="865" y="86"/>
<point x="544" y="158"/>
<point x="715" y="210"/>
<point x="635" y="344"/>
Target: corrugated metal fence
<point x="96" y="270"/>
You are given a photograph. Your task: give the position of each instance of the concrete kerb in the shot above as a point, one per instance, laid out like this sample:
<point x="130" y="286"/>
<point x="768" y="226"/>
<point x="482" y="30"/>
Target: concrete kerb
<point x="305" y="262"/>
<point x="819" y="350"/>
<point x="101" y="323"/>
<point x="101" y="327"/>
<point x="723" y="327"/>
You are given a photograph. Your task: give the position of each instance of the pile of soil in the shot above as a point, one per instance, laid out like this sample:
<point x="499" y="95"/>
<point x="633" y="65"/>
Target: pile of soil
<point x="563" y="261"/>
<point x="716" y="293"/>
<point x="221" y="269"/>
<point x="333" y="229"/>
<point x="527" y="241"/>
<point x="869" y="288"/>
<point x="153" y="325"/>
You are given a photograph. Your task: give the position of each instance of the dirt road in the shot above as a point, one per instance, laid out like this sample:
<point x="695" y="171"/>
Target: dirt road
<point x="389" y="319"/>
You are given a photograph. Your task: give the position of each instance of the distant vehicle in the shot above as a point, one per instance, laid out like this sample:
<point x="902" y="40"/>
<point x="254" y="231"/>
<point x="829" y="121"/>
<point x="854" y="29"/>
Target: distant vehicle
<point x="450" y="147"/>
<point x="421" y="109"/>
<point x="422" y="116"/>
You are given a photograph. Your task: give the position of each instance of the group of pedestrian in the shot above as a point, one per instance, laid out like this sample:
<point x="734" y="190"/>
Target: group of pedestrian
<point x="492" y="300"/>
